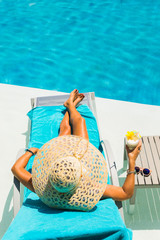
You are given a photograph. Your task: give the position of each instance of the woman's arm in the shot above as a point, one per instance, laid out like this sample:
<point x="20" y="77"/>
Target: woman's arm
<point x="19" y="171"/>
<point x="127" y="190"/>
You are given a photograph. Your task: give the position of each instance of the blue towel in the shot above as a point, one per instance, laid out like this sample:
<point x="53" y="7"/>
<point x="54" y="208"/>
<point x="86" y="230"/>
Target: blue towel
<point x="46" y="122"/>
<point x="37" y="221"/>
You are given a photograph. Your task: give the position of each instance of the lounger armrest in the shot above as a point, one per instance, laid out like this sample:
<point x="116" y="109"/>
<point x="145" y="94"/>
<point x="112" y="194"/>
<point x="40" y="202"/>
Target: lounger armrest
<point x="113" y="170"/>
<point x="111" y="161"/>
<point x="16" y="188"/>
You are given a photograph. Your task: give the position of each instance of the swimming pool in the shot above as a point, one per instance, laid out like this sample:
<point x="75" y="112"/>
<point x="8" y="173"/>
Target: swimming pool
<point x="110" y="47"/>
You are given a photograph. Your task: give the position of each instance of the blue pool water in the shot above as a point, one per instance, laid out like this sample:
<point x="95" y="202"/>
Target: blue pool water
<point x="110" y="47"/>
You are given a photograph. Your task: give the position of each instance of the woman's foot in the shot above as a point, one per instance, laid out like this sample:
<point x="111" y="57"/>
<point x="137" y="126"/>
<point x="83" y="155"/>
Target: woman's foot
<point x="74" y="98"/>
<point x="71" y="99"/>
<point x="79" y="98"/>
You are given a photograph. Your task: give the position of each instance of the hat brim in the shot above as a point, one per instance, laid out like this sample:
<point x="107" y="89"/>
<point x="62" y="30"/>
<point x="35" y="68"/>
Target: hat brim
<point x="91" y="185"/>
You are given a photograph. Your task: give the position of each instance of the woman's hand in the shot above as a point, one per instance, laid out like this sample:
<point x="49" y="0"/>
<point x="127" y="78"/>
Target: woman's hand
<point x="127" y="190"/>
<point x="133" y="154"/>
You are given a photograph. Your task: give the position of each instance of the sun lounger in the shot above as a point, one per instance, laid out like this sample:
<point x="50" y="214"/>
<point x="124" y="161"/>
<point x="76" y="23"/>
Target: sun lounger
<point x="149" y="157"/>
<point x="37" y="221"/>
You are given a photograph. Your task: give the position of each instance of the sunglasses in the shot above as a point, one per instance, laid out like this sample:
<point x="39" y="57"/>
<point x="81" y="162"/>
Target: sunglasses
<point x="144" y="171"/>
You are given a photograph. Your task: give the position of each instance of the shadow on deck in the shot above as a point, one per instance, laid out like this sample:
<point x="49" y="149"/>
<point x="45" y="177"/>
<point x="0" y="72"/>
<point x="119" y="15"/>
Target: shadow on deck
<point x="146" y="215"/>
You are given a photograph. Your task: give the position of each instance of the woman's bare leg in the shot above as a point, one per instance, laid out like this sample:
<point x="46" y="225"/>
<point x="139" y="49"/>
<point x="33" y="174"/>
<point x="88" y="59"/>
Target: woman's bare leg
<point x="65" y="128"/>
<point x="77" y="121"/>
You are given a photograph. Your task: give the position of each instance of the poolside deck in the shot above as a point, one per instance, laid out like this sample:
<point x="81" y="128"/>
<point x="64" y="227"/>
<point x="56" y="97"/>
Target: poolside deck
<point x="115" y="119"/>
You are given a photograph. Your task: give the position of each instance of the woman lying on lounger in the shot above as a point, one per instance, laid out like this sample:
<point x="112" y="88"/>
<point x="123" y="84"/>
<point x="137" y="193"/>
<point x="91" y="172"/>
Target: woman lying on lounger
<point x="74" y="121"/>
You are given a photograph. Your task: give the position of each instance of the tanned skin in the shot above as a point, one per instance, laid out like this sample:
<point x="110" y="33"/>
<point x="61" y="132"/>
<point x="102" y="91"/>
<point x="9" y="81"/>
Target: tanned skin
<point x="74" y="121"/>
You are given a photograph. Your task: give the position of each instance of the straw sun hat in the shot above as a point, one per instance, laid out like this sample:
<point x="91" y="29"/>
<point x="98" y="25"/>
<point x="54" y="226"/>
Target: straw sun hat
<point x="69" y="173"/>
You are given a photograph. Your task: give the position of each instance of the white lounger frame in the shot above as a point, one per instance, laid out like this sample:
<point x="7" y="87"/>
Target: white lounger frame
<point x="59" y="100"/>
